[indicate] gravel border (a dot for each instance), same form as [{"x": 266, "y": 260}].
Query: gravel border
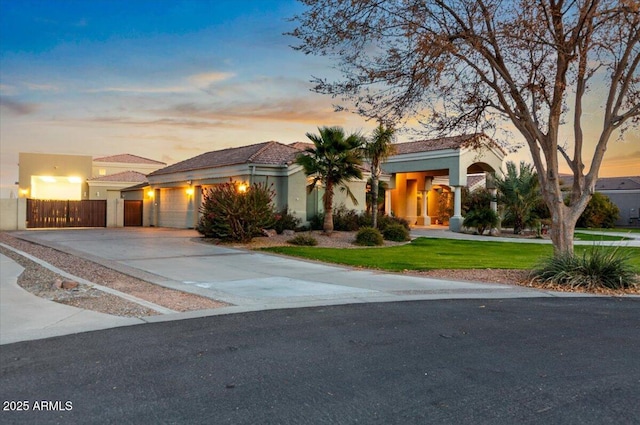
[{"x": 42, "y": 282}]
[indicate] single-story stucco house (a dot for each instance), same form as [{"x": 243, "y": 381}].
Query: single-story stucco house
[
  {"x": 416, "y": 175},
  {"x": 625, "y": 193}
]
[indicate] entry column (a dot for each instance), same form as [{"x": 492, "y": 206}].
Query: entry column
[{"x": 455, "y": 222}]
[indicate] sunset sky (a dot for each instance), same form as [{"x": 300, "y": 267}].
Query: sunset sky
[{"x": 167, "y": 80}]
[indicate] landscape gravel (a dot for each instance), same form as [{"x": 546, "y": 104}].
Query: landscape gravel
[{"x": 41, "y": 282}]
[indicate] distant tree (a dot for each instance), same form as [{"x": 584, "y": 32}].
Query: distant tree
[
  {"x": 519, "y": 194},
  {"x": 600, "y": 213},
  {"x": 334, "y": 160},
  {"x": 377, "y": 149},
  {"x": 482, "y": 65}
]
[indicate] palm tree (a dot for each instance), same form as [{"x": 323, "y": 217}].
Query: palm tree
[
  {"x": 520, "y": 194},
  {"x": 333, "y": 161},
  {"x": 377, "y": 150}
]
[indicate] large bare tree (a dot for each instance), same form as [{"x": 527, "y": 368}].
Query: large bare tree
[{"x": 486, "y": 65}]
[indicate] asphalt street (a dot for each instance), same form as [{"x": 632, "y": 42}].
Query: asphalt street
[{"x": 511, "y": 361}]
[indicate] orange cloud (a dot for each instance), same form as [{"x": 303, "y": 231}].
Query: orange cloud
[
  {"x": 296, "y": 110},
  {"x": 621, "y": 165}
]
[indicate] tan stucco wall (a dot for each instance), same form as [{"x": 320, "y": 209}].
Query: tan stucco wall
[
  {"x": 13, "y": 214},
  {"x": 37, "y": 164},
  {"x": 297, "y": 195}
]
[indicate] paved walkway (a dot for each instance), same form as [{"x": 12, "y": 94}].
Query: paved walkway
[
  {"x": 24, "y": 316},
  {"x": 249, "y": 280},
  {"x": 443, "y": 232}
]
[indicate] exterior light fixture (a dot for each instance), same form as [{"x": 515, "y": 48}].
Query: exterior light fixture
[
  {"x": 190, "y": 191},
  {"x": 242, "y": 188},
  {"x": 150, "y": 193}
]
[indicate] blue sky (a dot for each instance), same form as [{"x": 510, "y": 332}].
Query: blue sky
[{"x": 163, "y": 79}]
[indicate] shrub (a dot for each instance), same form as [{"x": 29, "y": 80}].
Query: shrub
[
  {"x": 599, "y": 213},
  {"x": 385, "y": 221},
  {"x": 599, "y": 268},
  {"x": 345, "y": 220},
  {"x": 303, "y": 240},
  {"x": 316, "y": 222},
  {"x": 476, "y": 200},
  {"x": 396, "y": 233},
  {"x": 286, "y": 221},
  {"x": 482, "y": 219},
  {"x": 368, "y": 236},
  {"x": 231, "y": 215}
]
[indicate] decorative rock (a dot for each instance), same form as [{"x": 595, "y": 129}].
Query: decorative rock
[
  {"x": 69, "y": 284},
  {"x": 288, "y": 232},
  {"x": 269, "y": 232},
  {"x": 65, "y": 284}
]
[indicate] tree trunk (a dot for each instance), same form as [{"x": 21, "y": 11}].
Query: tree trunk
[
  {"x": 374, "y": 202},
  {"x": 327, "y": 225},
  {"x": 563, "y": 222}
]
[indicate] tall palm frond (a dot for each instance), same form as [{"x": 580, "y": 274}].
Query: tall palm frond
[
  {"x": 334, "y": 160},
  {"x": 377, "y": 150}
]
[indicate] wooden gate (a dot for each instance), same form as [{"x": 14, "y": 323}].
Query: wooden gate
[
  {"x": 133, "y": 213},
  {"x": 43, "y": 213}
]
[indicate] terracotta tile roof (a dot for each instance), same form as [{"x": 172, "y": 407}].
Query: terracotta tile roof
[
  {"x": 267, "y": 153},
  {"x": 125, "y": 176},
  {"x": 475, "y": 179},
  {"x": 136, "y": 187},
  {"x": 128, "y": 159},
  {"x": 454, "y": 142},
  {"x": 301, "y": 145}
]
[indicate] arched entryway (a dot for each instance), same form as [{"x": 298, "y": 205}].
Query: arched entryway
[{"x": 428, "y": 176}]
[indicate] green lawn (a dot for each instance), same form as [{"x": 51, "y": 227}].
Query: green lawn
[
  {"x": 431, "y": 253},
  {"x": 616, "y": 230},
  {"x": 589, "y": 237}
]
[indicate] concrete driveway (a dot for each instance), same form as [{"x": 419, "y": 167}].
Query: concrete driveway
[{"x": 251, "y": 280}]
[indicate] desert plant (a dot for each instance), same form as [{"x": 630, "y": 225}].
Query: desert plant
[
  {"x": 284, "y": 220},
  {"x": 519, "y": 194},
  {"x": 396, "y": 233},
  {"x": 303, "y": 240},
  {"x": 595, "y": 268},
  {"x": 345, "y": 220},
  {"x": 232, "y": 215},
  {"x": 475, "y": 200},
  {"x": 316, "y": 222},
  {"x": 368, "y": 236},
  {"x": 482, "y": 219}
]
